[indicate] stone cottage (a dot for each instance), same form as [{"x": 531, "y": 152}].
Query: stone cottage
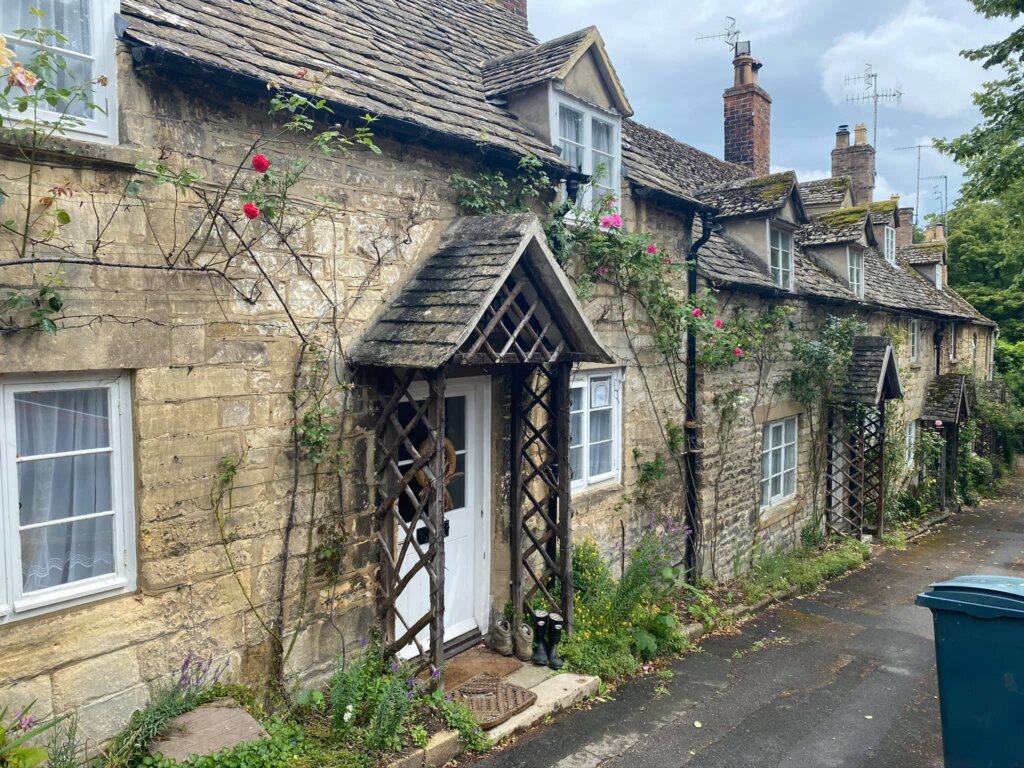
[{"x": 258, "y": 437}]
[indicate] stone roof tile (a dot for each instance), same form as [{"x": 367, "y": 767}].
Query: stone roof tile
[
  {"x": 845, "y": 225},
  {"x": 532, "y": 66},
  {"x": 750, "y": 196},
  {"x": 831, "y": 191}
]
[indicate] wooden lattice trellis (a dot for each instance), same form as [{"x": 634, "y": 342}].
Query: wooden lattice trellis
[
  {"x": 855, "y": 484},
  {"x": 405, "y": 502},
  {"x": 541, "y": 477}
]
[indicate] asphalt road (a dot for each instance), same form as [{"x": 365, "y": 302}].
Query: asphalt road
[{"x": 843, "y": 678}]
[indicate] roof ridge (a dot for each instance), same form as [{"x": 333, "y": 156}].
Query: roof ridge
[{"x": 582, "y": 34}]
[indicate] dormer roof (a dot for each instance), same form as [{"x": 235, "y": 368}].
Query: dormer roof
[
  {"x": 884, "y": 212},
  {"x": 552, "y": 62},
  {"x": 923, "y": 254},
  {"x": 755, "y": 196},
  {"x": 832, "y": 191},
  {"x": 841, "y": 227}
]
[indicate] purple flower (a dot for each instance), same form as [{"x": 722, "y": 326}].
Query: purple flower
[
  {"x": 395, "y": 667},
  {"x": 26, "y": 723},
  {"x": 435, "y": 673},
  {"x": 411, "y": 682},
  {"x": 363, "y": 642}
]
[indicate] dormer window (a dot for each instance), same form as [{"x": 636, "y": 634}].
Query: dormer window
[
  {"x": 591, "y": 144},
  {"x": 84, "y": 50},
  {"x": 890, "y": 245},
  {"x": 855, "y": 270},
  {"x": 780, "y": 247}
]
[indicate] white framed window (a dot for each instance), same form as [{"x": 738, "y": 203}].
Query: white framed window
[
  {"x": 778, "y": 461},
  {"x": 780, "y": 249},
  {"x": 890, "y": 245},
  {"x": 954, "y": 342},
  {"x": 595, "y": 429},
  {"x": 591, "y": 142},
  {"x": 938, "y": 277},
  {"x": 67, "y": 528},
  {"x": 855, "y": 270},
  {"x": 910, "y": 446},
  {"x": 915, "y": 340},
  {"x": 87, "y": 47}
]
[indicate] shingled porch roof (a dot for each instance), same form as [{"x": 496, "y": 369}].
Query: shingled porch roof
[
  {"x": 872, "y": 375},
  {"x": 434, "y": 315},
  {"x": 947, "y": 399}
]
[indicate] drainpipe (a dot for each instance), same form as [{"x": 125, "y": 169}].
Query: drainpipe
[{"x": 708, "y": 225}]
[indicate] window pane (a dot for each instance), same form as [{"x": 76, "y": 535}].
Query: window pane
[
  {"x": 69, "y": 17},
  {"x": 576, "y": 462},
  {"x": 790, "y": 430},
  {"x": 765, "y": 465},
  {"x": 601, "y": 425},
  {"x": 790, "y": 458},
  {"x": 576, "y": 429},
  {"x": 776, "y": 461},
  {"x": 603, "y": 135},
  {"x": 776, "y": 486},
  {"x": 776, "y": 435},
  {"x": 455, "y": 421},
  {"x": 54, "y": 489},
  {"x": 62, "y": 421},
  {"x": 600, "y": 459},
  {"x": 601, "y": 392},
  {"x": 571, "y": 123},
  {"x": 61, "y": 554},
  {"x": 766, "y": 493},
  {"x": 576, "y": 399},
  {"x": 457, "y": 484},
  {"x": 789, "y": 483},
  {"x": 75, "y": 72}
]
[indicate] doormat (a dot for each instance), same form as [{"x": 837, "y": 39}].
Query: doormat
[{"x": 491, "y": 700}]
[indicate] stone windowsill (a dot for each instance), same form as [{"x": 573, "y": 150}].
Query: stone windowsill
[
  {"x": 62, "y": 150},
  {"x": 598, "y": 493},
  {"x": 769, "y": 516}
]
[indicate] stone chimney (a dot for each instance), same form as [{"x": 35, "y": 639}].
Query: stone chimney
[
  {"x": 905, "y": 231},
  {"x": 748, "y": 115},
  {"x": 518, "y": 7},
  {"x": 857, "y": 162}
]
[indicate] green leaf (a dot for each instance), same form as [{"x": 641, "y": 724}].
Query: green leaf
[
  {"x": 133, "y": 188},
  {"x": 63, "y": 217},
  {"x": 47, "y": 325}
]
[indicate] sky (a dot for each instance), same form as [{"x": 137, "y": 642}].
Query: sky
[{"x": 809, "y": 49}]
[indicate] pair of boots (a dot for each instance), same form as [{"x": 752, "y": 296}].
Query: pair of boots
[{"x": 547, "y": 629}]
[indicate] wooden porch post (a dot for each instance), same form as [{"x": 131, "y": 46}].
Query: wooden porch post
[
  {"x": 518, "y": 380},
  {"x": 561, "y": 395},
  {"x": 437, "y": 385}
]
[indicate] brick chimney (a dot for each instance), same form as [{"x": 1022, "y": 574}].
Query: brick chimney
[
  {"x": 748, "y": 115},
  {"x": 857, "y": 162},
  {"x": 518, "y": 7},
  {"x": 905, "y": 231}
]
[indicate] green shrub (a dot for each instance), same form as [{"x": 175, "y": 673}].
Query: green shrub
[{"x": 805, "y": 569}]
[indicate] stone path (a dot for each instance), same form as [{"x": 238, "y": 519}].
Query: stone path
[
  {"x": 844, "y": 678},
  {"x": 206, "y": 730}
]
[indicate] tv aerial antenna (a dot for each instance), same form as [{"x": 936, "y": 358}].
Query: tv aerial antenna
[
  {"x": 730, "y": 36},
  {"x": 872, "y": 94},
  {"x": 942, "y": 195},
  {"x": 917, "y": 148}
]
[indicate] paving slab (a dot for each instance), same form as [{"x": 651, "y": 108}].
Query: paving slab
[{"x": 208, "y": 729}]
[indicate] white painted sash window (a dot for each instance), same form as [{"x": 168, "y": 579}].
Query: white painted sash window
[
  {"x": 86, "y": 45},
  {"x": 591, "y": 143},
  {"x": 890, "y": 245},
  {"x": 855, "y": 265},
  {"x": 778, "y": 461},
  {"x": 915, "y": 340},
  {"x": 780, "y": 246},
  {"x": 68, "y": 522},
  {"x": 595, "y": 428}
]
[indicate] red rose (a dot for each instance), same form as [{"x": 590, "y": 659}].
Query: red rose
[
  {"x": 260, "y": 164},
  {"x": 251, "y": 211}
]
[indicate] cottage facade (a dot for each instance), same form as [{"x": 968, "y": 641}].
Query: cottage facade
[{"x": 158, "y": 496}]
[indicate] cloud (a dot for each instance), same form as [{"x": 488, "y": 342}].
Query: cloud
[
  {"x": 805, "y": 175},
  {"x": 918, "y": 51}
]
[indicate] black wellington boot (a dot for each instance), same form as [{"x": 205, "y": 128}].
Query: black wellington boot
[
  {"x": 540, "y": 626},
  {"x": 554, "y": 637}
]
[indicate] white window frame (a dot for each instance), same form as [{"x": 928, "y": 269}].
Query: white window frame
[
  {"x": 915, "y": 340},
  {"x": 768, "y": 447},
  {"x": 890, "y": 244},
  {"x": 14, "y": 604},
  {"x": 103, "y": 128},
  {"x": 781, "y": 267},
  {"x": 938, "y": 277},
  {"x": 561, "y": 101},
  {"x": 910, "y": 443},
  {"x": 954, "y": 342},
  {"x": 582, "y": 380},
  {"x": 855, "y": 270}
]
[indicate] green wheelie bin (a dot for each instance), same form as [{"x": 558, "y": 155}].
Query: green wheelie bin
[{"x": 979, "y": 655}]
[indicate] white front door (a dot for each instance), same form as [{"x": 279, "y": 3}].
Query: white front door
[{"x": 467, "y": 522}]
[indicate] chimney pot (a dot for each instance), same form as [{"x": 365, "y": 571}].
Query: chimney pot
[
  {"x": 747, "y": 115},
  {"x": 860, "y": 134},
  {"x": 940, "y": 232},
  {"x": 857, "y": 162},
  {"x": 843, "y": 137},
  {"x": 929, "y": 234}
]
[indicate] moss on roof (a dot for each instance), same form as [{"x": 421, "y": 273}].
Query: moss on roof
[
  {"x": 843, "y": 217},
  {"x": 937, "y": 246},
  {"x": 773, "y": 186},
  {"x": 882, "y": 206}
]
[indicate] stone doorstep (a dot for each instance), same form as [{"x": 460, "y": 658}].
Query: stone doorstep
[
  {"x": 207, "y": 730},
  {"x": 556, "y": 693}
]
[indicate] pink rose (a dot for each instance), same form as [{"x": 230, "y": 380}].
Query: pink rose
[
  {"x": 22, "y": 78},
  {"x": 938, "y": 422},
  {"x": 251, "y": 211},
  {"x": 652, "y": 249},
  {"x": 611, "y": 222},
  {"x": 719, "y": 323},
  {"x": 602, "y": 270},
  {"x": 737, "y": 352},
  {"x": 697, "y": 312}
]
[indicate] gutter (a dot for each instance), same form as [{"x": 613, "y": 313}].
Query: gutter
[{"x": 690, "y": 426}]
